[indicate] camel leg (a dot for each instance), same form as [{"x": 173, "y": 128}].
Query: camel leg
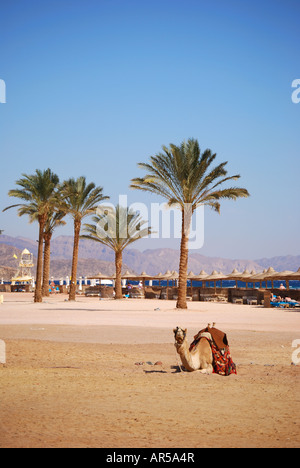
[{"x": 208, "y": 370}]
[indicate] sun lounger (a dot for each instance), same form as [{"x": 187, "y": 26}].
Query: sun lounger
[
  {"x": 238, "y": 300},
  {"x": 285, "y": 305}
]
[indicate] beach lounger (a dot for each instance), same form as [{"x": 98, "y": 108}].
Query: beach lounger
[{"x": 285, "y": 305}]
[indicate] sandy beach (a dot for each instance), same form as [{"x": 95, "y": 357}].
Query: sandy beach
[{"x": 71, "y": 379}]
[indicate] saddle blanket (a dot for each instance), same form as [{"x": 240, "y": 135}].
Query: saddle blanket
[{"x": 223, "y": 363}]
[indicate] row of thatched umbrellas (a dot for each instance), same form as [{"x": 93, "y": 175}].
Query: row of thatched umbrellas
[{"x": 267, "y": 275}]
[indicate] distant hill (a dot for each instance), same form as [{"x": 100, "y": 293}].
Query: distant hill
[
  {"x": 95, "y": 257},
  {"x": 289, "y": 262},
  {"x": 60, "y": 267}
]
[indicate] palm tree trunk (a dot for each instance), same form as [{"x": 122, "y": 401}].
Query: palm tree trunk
[
  {"x": 73, "y": 285},
  {"x": 46, "y": 270},
  {"x": 119, "y": 262},
  {"x": 184, "y": 255},
  {"x": 39, "y": 269}
]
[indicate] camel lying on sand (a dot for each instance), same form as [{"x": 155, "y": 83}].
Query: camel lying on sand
[{"x": 200, "y": 358}]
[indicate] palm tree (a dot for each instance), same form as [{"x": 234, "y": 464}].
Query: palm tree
[
  {"x": 82, "y": 200},
  {"x": 38, "y": 192},
  {"x": 117, "y": 228},
  {"x": 186, "y": 179},
  {"x": 54, "y": 220}
]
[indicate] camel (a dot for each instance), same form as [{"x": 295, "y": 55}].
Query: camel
[{"x": 200, "y": 358}]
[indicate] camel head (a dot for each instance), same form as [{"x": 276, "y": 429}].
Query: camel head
[{"x": 180, "y": 335}]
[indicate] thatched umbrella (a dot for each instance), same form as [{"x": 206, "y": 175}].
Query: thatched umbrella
[
  {"x": 174, "y": 275},
  {"x": 270, "y": 275},
  {"x": 99, "y": 276},
  {"x": 171, "y": 276},
  {"x": 216, "y": 276},
  {"x": 191, "y": 275},
  {"x": 234, "y": 275},
  {"x": 160, "y": 277},
  {"x": 284, "y": 276},
  {"x": 296, "y": 275},
  {"x": 245, "y": 277},
  {"x": 167, "y": 274},
  {"x": 201, "y": 276},
  {"x": 258, "y": 277},
  {"x": 127, "y": 275},
  {"x": 143, "y": 276}
]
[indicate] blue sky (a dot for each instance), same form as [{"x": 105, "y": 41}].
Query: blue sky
[{"x": 94, "y": 87}]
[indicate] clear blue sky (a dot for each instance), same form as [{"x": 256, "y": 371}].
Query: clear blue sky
[{"x": 96, "y": 86}]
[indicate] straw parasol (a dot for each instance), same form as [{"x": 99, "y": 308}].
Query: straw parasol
[
  {"x": 270, "y": 273},
  {"x": 259, "y": 276},
  {"x": 99, "y": 276},
  {"x": 171, "y": 276},
  {"x": 234, "y": 274},
  {"x": 128, "y": 275},
  {"x": 216, "y": 276},
  {"x": 160, "y": 276},
  {"x": 265, "y": 276},
  {"x": 191, "y": 275},
  {"x": 270, "y": 276},
  {"x": 144, "y": 276},
  {"x": 167, "y": 274},
  {"x": 201, "y": 276},
  {"x": 285, "y": 275},
  {"x": 174, "y": 275},
  {"x": 296, "y": 275},
  {"x": 245, "y": 276}
]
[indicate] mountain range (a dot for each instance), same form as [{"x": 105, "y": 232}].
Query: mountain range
[{"x": 95, "y": 257}]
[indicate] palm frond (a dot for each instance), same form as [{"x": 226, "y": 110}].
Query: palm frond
[
  {"x": 182, "y": 175},
  {"x": 116, "y": 227}
]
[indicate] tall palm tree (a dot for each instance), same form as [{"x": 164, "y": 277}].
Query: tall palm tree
[
  {"x": 186, "y": 179},
  {"x": 55, "y": 219},
  {"x": 82, "y": 200},
  {"x": 117, "y": 228},
  {"x": 38, "y": 192}
]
